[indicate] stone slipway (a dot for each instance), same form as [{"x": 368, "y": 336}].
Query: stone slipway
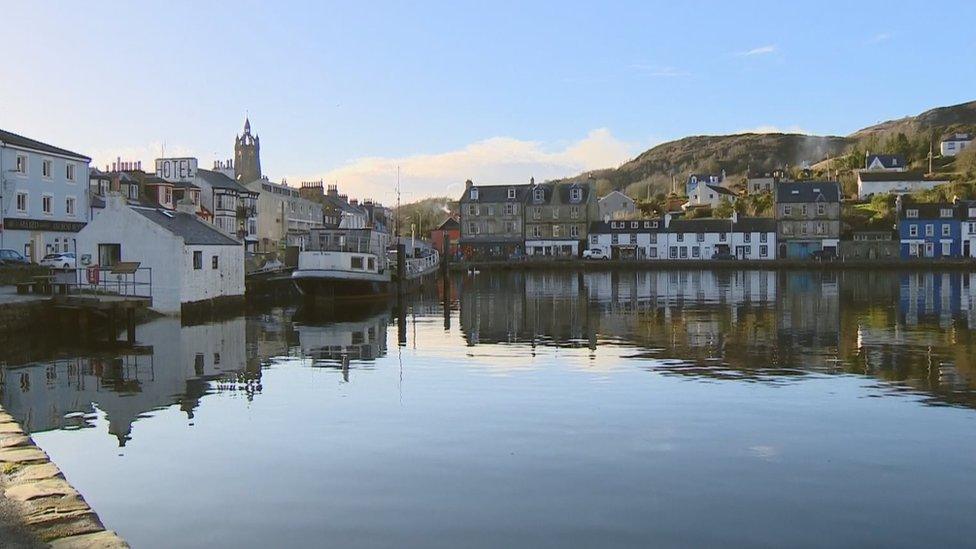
[{"x": 37, "y": 496}]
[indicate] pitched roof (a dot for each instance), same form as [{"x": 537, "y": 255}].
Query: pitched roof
[
  {"x": 958, "y": 137},
  {"x": 756, "y": 225},
  {"x": 193, "y": 230},
  {"x": 889, "y": 161},
  {"x": 449, "y": 224},
  {"x": 611, "y": 193},
  {"x": 496, "y": 193},
  {"x": 700, "y": 225},
  {"x": 807, "y": 191},
  {"x": 930, "y": 210},
  {"x": 627, "y": 226},
  {"x": 721, "y": 190},
  {"x": 895, "y": 176},
  {"x": 218, "y": 180},
  {"x": 10, "y": 138}
]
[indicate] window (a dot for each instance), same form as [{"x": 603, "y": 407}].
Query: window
[
  {"x": 946, "y": 230},
  {"x": 22, "y": 202},
  {"x": 555, "y": 213},
  {"x": 47, "y": 204},
  {"x": 574, "y": 231},
  {"x": 491, "y": 211},
  {"x": 537, "y": 213},
  {"x": 652, "y": 253},
  {"x": 47, "y": 166},
  {"x": 538, "y": 195},
  {"x": 803, "y": 229},
  {"x": 594, "y": 239},
  {"x": 747, "y": 237},
  {"x": 929, "y": 230},
  {"x": 653, "y": 237},
  {"x": 787, "y": 210},
  {"x": 701, "y": 237},
  {"x": 574, "y": 212},
  {"x": 681, "y": 237},
  {"x": 913, "y": 230},
  {"x": 555, "y": 231},
  {"x": 511, "y": 192},
  {"x": 21, "y": 166},
  {"x": 472, "y": 228},
  {"x": 109, "y": 254},
  {"x": 537, "y": 231},
  {"x": 946, "y": 249},
  {"x": 69, "y": 172},
  {"x": 356, "y": 262},
  {"x": 763, "y": 251},
  {"x": 945, "y": 212},
  {"x": 633, "y": 238},
  {"x": 803, "y": 210},
  {"x": 696, "y": 252},
  {"x": 614, "y": 238},
  {"x": 69, "y": 205},
  {"x": 911, "y": 213},
  {"x": 576, "y": 194},
  {"x": 763, "y": 237},
  {"x": 214, "y": 262},
  {"x": 371, "y": 264},
  {"x": 197, "y": 261},
  {"x": 509, "y": 210},
  {"x": 473, "y": 194},
  {"x": 134, "y": 192},
  {"x": 673, "y": 252},
  {"x": 683, "y": 252},
  {"x": 821, "y": 209},
  {"x": 722, "y": 237}
]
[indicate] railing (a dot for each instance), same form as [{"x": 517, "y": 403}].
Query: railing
[{"x": 96, "y": 279}]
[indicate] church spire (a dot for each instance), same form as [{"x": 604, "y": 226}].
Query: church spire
[{"x": 247, "y": 125}]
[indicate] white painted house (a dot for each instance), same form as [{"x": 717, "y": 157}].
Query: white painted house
[
  {"x": 955, "y": 143},
  {"x": 686, "y": 239},
  {"x": 884, "y": 163},
  {"x": 191, "y": 260},
  {"x": 616, "y": 205},
  {"x": 708, "y": 194},
  {"x": 870, "y": 183}
]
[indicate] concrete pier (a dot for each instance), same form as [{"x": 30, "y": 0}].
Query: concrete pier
[{"x": 44, "y": 503}]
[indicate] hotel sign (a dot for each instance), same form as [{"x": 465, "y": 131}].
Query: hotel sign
[
  {"x": 176, "y": 170},
  {"x": 21, "y": 224}
]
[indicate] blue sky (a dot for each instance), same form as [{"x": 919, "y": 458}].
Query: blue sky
[{"x": 496, "y": 91}]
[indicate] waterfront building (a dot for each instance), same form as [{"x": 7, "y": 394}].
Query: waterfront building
[
  {"x": 870, "y": 244},
  {"x": 492, "y": 220},
  {"x": 629, "y": 239},
  {"x": 43, "y": 196},
  {"x": 931, "y": 231},
  {"x": 870, "y": 183},
  {"x": 446, "y": 236},
  {"x": 709, "y": 179},
  {"x": 808, "y": 218},
  {"x": 967, "y": 227},
  {"x": 284, "y": 217},
  {"x": 556, "y": 218},
  {"x": 708, "y": 195},
  {"x": 742, "y": 237},
  {"x": 884, "y": 163},
  {"x": 191, "y": 260},
  {"x": 616, "y": 205},
  {"x": 336, "y": 206},
  {"x": 951, "y": 145}
]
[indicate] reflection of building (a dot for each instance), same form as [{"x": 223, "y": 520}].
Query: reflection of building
[
  {"x": 173, "y": 371},
  {"x": 356, "y": 340}
]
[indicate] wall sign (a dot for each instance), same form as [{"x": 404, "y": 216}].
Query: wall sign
[{"x": 21, "y": 224}]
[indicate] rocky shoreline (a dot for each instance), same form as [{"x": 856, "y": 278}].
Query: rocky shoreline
[{"x": 40, "y": 507}]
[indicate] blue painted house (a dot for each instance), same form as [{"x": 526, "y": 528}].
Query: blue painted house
[{"x": 931, "y": 231}]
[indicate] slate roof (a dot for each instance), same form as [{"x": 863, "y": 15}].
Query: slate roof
[
  {"x": 193, "y": 230},
  {"x": 449, "y": 224},
  {"x": 807, "y": 191},
  {"x": 958, "y": 137},
  {"x": 218, "y": 180},
  {"x": 721, "y": 190},
  {"x": 612, "y": 193},
  {"x": 889, "y": 161},
  {"x": 626, "y": 226},
  {"x": 931, "y": 211},
  {"x": 895, "y": 176},
  {"x": 700, "y": 225},
  {"x": 10, "y": 138},
  {"x": 756, "y": 225},
  {"x": 565, "y": 189},
  {"x": 496, "y": 193}
]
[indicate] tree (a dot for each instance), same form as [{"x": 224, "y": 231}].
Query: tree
[
  {"x": 724, "y": 208},
  {"x": 966, "y": 161}
]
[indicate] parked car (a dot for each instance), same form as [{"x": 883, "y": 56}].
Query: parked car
[
  {"x": 723, "y": 256},
  {"x": 823, "y": 255},
  {"x": 64, "y": 260},
  {"x": 12, "y": 257},
  {"x": 595, "y": 253}
]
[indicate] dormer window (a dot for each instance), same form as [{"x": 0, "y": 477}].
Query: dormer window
[
  {"x": 912, "y": 213},
  {"x": 538, "y": 195},
  {"x": 945, "y": 212},
  {"x": 576, "y": 194},
  {"x": 511, "y": 192},
  {"x": 972, "y": 212},
  {"x": 474, "y": 194}
]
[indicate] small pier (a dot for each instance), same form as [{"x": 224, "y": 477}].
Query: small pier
[{"x": 112, "y": 311}]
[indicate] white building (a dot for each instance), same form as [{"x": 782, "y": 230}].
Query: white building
[
  {"x": 43, "y": 196},
  {"x": 191, "y": 260},
  {"x": 686, "y": 239},
  {"x": 955, "y": 143},
  {"x": 284, "y": 217},
  {"x": 616, "y": 205},
  {"x": 708, "y": 194},
  {"x": 870, "y": 183}
]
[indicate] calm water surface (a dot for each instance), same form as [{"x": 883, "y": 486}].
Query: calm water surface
[{"x": 535, "y": 410}]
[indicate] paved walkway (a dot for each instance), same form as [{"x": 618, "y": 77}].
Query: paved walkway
[{"x": 8, "y": 295}]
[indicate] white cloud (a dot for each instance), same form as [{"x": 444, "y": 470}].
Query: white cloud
[
  {"x": 496, "y": 160},
  {"x": 762, "y": 50},
  {"x": 769, "y": 128}
]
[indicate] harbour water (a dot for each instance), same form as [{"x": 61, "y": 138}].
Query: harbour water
[{"x": 599, "y": 409}]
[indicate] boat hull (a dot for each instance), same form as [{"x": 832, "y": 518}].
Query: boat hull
[{"x": 325, "y": 287}]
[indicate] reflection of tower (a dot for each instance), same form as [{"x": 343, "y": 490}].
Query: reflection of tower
[{"x": 247, "y": 155}]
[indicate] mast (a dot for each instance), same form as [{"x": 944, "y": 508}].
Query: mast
[{"x": 396, "y": 229}]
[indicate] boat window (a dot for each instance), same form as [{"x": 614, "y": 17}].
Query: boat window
[
  {"x": 356, "y": 262},
  {"x": 371, "y": 264}
]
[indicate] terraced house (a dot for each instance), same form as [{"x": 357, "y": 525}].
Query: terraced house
[
  {"x": 807, "y": 218},
  {"x": 492, "y": 220},
  {"x": 556, "y": 218}
]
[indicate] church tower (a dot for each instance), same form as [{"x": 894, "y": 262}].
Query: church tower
[{"x": 247, "y": 155}]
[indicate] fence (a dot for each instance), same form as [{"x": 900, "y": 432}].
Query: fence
[{"x": 123, "y": 279}]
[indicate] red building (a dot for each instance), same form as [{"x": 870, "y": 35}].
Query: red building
[{"x": 450, "y": 231}]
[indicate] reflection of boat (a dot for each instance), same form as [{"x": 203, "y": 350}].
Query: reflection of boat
[{"x": 357, "y": 336}]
